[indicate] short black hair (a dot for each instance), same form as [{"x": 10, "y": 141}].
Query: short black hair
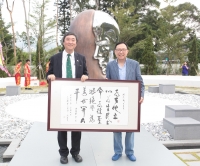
[
  {"x": 121, "y": 43},
  {"x": 28, "y": 60},
  {"x": 69, "y": 33},
  {"x": 19, "y": 61}
]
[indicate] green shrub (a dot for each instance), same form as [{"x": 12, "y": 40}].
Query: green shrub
[{"x": 3, "y": 74}]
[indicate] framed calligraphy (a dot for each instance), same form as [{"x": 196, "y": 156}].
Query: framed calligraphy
[{"x": 93, "y": 105}]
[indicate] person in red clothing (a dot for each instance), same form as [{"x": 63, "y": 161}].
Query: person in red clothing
[
  {"x": 27, "y": 75},
  {"x": 17, "y": 73},
  {"x": 47, "y": 66}
]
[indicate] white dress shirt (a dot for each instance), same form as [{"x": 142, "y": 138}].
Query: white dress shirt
[{"x": 64, "y": 61}]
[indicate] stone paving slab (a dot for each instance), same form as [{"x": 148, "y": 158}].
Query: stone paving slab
[
  {"x": 193, "y": 163},
  {"x": 187, "y": 156},
  {"x": 40, "y": 148},
  {"x": 10, "y": 151},
  {"x": 185, "y": 151},
  {"x": 4, "y": 164}
]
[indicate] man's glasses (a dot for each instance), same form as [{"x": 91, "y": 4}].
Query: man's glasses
[{"x": 119, "y": 50}]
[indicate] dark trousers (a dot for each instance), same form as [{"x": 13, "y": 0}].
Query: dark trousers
[{"x": 75, "y": 143}]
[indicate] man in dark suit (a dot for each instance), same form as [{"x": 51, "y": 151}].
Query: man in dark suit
[
  {"x": 124, "y": 68},
  {"x": 58, "y": 69}
]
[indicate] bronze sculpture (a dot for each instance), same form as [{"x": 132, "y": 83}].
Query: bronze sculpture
[{"x": 97, "y": 34}]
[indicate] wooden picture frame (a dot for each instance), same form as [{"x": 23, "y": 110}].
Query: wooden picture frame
[{"x": 93, "y": 105}]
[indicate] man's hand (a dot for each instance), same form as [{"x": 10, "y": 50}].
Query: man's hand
[
  {"x": 51, "y": 77},
  {"x": 84, "y": 77},
  {"x": 141, "y": 100}
]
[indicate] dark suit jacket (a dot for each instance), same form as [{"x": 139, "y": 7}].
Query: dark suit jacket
[
  {"x": 55, "y": 66},
  {"x": 132, "y": 72}
]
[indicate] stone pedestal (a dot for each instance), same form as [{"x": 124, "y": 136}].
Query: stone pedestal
[
  {"x": 13, "y": 90},
  {"x": 183, "y": 128},
  {"x": 172, "y": 111},
  {"x": 153, "y": 89},
  {"x": 167, "y": 88}
]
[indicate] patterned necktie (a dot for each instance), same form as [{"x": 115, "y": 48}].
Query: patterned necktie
[{"x": 68, "y": 67}]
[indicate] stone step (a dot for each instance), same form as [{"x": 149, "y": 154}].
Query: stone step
[
  {"x": 172, "y": 111},
  {"x": 153, "y": 89},
  {"x": 13, "y": 145},
  {"x": 167, "y": 88},
  {"x": 182, "y": 128},
  {"x": 13, "y": 90}
]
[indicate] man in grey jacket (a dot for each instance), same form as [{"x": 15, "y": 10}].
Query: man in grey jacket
[{"x": 124, "y": 68}]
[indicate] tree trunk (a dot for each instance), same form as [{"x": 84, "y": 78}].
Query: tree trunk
[
  {"x": 27, "y": 31},
  {"x": 13, "y": 31},
  {"x": 70, "y": 12},
  {"x": 97, "y": 4},
  {"x": 57, "y": 24}
]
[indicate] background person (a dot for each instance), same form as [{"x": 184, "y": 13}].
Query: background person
[
  {"x": 124, "y": 68},
  {"x": 17, "y": 73},
  {"x": 47, "y": 66},
  {"x": 58, "y": 69},
  {"x": 185, "y": 69},
  {"x": 27, "y": 75}
]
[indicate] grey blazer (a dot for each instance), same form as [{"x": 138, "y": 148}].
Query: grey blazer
[{"x": 132, "y": 72}]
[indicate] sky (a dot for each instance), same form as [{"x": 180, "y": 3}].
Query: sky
[
  {"x": 195, "y": 2},
  {"x": 18, "y": 11},
  {"x": 19, "y": 17}
]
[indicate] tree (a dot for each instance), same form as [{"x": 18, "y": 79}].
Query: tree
[
  {"x": 68, "y": 10},
  {"x": 142, "y": 23},
  {"x": 173, "y": 34},
  {"x": 6, "y": 41},
  {"x": 149, "y": 58},
  {"x": 42, "y": 28},
  {"x": 22, "y": 38},
  {"x": 13, "y": 30},
  {"x": 107, "y": 5},
  {"x": 27, "y": 29},
  {"x": 126, "y": 22},
  {"x": 64, "y": 16},
  {"x": 193, "y": 57},
  {"x": 132, "y": 18},
  {"x": 198, "y": 46},
  {"x": 189, "y": 15},
  {"x": 57, "y": 24}
]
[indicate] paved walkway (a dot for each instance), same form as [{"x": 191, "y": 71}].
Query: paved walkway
[
  {"x": 190, "y": 157},
  {"x": 96, "y": 150}
]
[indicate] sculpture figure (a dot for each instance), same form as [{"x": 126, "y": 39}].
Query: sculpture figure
[{"x": 97, "y": 32}]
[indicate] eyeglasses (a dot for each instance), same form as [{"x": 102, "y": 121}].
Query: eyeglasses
[{"x": 119, "y": 50}]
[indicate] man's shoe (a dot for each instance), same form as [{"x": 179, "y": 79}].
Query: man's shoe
[
  {"x": 131, "y": 157},
  {"x": 63, "y": 160},
  {"x": 77, "y": 158},
  {"x": 25, "y": 88},
  {"x": 116, "y": 157},
  {"x": 30, "y": 89}
]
